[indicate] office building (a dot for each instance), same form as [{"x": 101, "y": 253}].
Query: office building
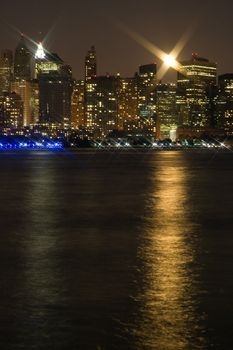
[
  {"x": 6, "y": 70},
  {"x": 90, "y": 73},
  {"x": 22, "y": 61},
  {"x": 77, "y": 105},
  {"x": 224, "y": 103},
  {"x": 11, "y": 111},
  {"x": 146, "y": 120},
  {"x": 55, "y": 88},
  {"x": 127, "y": 102},
  {"x": 102, "y": 105},
  {"x": 90, "y": 64},
  {"x": 166, "y": 109},
  {"x": 195, "y": 80}
]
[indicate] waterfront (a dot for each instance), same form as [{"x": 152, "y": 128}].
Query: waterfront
[{"x": 116, "y": 250}]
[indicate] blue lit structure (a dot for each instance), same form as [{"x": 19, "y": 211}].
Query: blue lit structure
[{"x": 23, "y": 142}]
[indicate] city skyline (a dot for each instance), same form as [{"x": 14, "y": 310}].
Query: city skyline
[
  {"x": 72, "y": 33},
  {"x": 37, "y": 87}
]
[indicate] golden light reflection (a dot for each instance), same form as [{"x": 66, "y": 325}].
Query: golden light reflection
[{"x": 168, "y": 304}]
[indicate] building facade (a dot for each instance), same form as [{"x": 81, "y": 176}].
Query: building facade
[
  {"x": 127, "y": 103},
  {"x": 224, "y": 103},
  {"x": 166, "y": 109},
  {"x": 77, "y": 105},
  {"x": 196, "y": 78},
  {"x": 55, "y": 88},
  {"x": 22, "y": 61},
  {"x": 11, "y": 111},
  {"x": 6, "y": 70}
]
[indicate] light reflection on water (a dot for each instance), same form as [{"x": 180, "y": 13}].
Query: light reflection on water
[
  {"x": 125, "y": 251},
  {"x": 43, "y": 282},
  {"x": 168, "y": 306}
]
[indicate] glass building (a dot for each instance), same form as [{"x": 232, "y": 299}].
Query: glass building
[
  {"x": 224, "y": 102},
  {"x": 6, "y": 70},
  {"x": 55, "y": 88},
  {"x": 166, "y": 109},
  {"x": 22, "y": 61},
  {"x": 195, "y": 81}
]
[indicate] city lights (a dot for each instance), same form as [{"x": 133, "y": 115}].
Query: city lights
[
  {"x": 39, "y": 95},
  {"x": 40, "y": 54}
]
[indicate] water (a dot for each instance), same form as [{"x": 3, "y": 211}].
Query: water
[{"x": 116, "y": 250}]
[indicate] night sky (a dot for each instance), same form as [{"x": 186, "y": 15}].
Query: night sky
[{"x": 74, "y": 26}]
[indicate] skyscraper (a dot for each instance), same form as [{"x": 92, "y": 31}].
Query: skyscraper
[
  {"x": 55, "y": 88},
  {"x": 6, "y": 70},
  {"x": 146, "y": 81},
  {"x": 224, "y": 103},
  {"x": 102, "y": 105},
  {"x": 127, "y": 103},
  {"x": 11, "y": 111},
  {"x": 22, "y": 61},
  {"x": 90, "y": 64},
  {"x": 46, "y": 62},
  {"x": 146, "y": 86},
  {"x": 90, "y": 72},
  {"x": 195, "y": 80},
  {"x": 22, "y": 89},
  {"x": 34, "y": 101},
  {"x": 77, "y": 105},
  {"x": 166, "y": 108},
  {"x": 22, "y": 76}
]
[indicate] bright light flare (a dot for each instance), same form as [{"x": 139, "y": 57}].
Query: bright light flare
[
  {"x": 40, "y": 54},
  {"x": 170, "y": 61},
  {"x": 34, "y": 43}
]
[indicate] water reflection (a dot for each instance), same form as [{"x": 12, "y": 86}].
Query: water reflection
[
  {"x": 168, "y": 312},
  {"x": 42, "y": 285}
]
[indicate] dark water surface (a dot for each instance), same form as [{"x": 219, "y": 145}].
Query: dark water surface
[{"x": 116, "y": 250}]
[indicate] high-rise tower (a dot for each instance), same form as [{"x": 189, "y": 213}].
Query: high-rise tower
[
  {"x": 224, "y": 103},
  {"x": 166, "y": 108},
  {"x": 6, "y": 65},
  {"x": 90, "y": 89},
  {"x": 11, "y": 111},
  {"x": 90, "y": 64},
  {"x": 22, "y": 62},
  {"x": 196, "y": 78},
  {"x": 55, "y": 88},
  {"x": 146, "y": 89}
]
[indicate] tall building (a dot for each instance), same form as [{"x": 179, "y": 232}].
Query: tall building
[
  {"x": 46, "y": 62},
  {"x": 146, "y": 80},
  {"x": 77, "y": 105},
  {"x": 22, "y": 61},
  {"x": 6, "y": 70},
  {"x": 90, "y": 73},
  {"x": 21, "y": 82},
  {"x": 195, "y": 80},
  {"x": 11, "y": 111},
  {"x": 23, "y": 89},
  {"x": 90, "y": 64},
  {"x": 34, "y": 101},
  {"x": 102, "y": 105},
  {"x": 224, "y": 103},
  {"x": 55, "y": 88},
  {"x": 166, "y": 109},
  {"x": 146, "y": 86},
  {"x": 127, "y": 103}
]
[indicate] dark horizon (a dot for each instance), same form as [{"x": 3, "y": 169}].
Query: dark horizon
[{"x": 74, "y": 27}]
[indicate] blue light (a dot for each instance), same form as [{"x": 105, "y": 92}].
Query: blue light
[{"x": 14, "y": 142}]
